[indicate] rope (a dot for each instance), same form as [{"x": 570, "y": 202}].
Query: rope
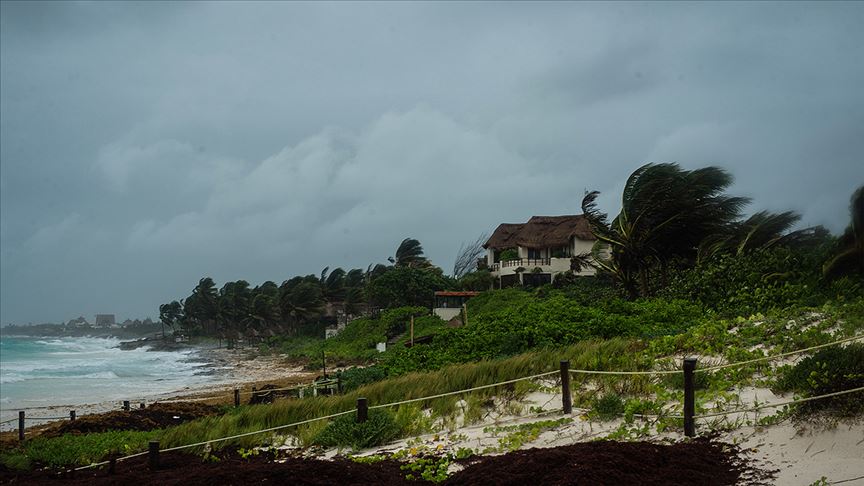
[
  {"x": 271, "y": 429},
  {"x": 119, "y": 459},
  {"x": 188, "y": 446},
  {"x": 847, "y": 480},
  {"x": 459, "y": 392},
  {"x": 46, "y": 418},
  {"x": 773, "y": 405},
  {"x": 598, "y": 372},
  {"x": 781, "y": 355}
]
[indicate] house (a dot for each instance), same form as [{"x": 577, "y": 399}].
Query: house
[
  {"x": 105, "y": 320},
  {"x": 533, "y": 253},
  {"x": 448, "y": 304}
]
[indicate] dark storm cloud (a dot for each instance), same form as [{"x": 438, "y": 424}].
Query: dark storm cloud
[{"x": 147, "y": 145}]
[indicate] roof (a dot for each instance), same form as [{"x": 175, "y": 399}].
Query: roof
[
  {"x": 541, "y": 232},
  {"x": 451, "y": 293}
]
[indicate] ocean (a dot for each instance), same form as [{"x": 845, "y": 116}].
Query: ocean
[{"x": 36, "y": 373}]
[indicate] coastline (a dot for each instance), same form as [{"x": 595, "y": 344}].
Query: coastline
[{"x": 229, "y": 369}]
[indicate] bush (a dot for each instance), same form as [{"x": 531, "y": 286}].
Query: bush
[
  {"x": 356, "y": 377},
  {"x": 760, "y": 281},
  {"x": 607, "y": 407},
  {"x": 830, "y": 370},
  {"x": 380, "y": 428}
]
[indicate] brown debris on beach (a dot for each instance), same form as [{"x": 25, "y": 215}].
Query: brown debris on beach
[{"x": 701, "y": 462}]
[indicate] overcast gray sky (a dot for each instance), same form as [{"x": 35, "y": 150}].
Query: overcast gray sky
[{"x": 145, "y": 146}]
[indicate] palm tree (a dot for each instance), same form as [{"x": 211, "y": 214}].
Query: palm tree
[
  {"x": 850, "y": 256},
  {"x": 666, "y": 212},
  {"x": 202, "y": 307},
  {"x": 302, "y": 302},
  {"x": 333, "y": 285},
  {"x": 760, "y": 231},
  {"x": 409, "y": 254}
]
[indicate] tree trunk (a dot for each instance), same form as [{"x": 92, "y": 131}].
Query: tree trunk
[{"x": 643, "y": 281}]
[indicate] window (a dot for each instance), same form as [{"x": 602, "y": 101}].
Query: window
[{"x": 534, "y": 254}]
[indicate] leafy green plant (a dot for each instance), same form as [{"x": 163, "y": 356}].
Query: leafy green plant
[
  {"x": 79, "y": 450},
  {"x": 830, "y": 370}
]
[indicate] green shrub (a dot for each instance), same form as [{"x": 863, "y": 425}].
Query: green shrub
[
  {"x": 354, "y": 378},
  {"x": 380, "y": 428},
  {"x": 830, "y": 370},
  {"x": 607, "y": 407},
  {"x": 72, "y": 449},
  {"x": 760, "y": 281}
]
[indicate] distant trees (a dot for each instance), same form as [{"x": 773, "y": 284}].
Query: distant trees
[
  {"x": 170, "y": 314},
  {"x": 301, "y": 301}
]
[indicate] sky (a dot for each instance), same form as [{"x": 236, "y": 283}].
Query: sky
[{"x": 144, "y": 146}]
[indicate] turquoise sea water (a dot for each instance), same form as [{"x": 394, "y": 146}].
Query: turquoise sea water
[{"x": 40, "y": 372}]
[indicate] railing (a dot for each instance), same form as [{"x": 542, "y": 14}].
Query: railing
[{"x": 523, "y": 262}]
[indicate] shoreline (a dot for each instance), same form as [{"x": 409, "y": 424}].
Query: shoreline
[{"x": 228, "y": 368}]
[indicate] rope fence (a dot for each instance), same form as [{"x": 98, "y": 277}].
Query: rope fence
[
  {"x": 781, "y": 355},
  {"x": 362, "y": 408},
  {"x": 775, "y": 405}
]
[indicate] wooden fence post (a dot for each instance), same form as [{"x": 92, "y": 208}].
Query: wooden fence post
[
  {"x": 21, "y": 425},
  {"x": 72, "y": 415},
  {"x": 126, "y": 405},
  {"x": 236, "y": 397},
  {"x": 362, "y": 410},
  {"x": 689, "y": 397},
  {"x": 566, "y": 398},
  {"x": 153, "y": 454}
]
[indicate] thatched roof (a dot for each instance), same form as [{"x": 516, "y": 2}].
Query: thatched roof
[{"x": 541, "y": 232}]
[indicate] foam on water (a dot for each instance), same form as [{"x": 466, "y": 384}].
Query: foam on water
[{"x": 38, "y": 372}]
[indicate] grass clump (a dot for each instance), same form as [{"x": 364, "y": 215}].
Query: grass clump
[
  {"x": 380, "y": 428},
  {"x": 607, "y": 407}
]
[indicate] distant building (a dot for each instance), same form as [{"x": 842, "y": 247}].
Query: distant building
[
  {"x": 105, "y": 320},
  {"x": 448, "y": 304}
]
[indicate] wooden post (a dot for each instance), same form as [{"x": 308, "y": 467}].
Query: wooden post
[
  {"x": 236, "y": 397},
  {"x": 112, "y": 465},
  {"x": 126, "y": 405},
  {"x": 21, "y": 425},
  {"x": 324, "y": 364},
  {"x": 689, "y": 397},
  {"x": 464, "y": 314},
  {"x": 412, "y": 331},
  {"x": 72, "y": 415},
  {"x": 153, "y": 454},
  {"x": 362, "y": 410},
  {"x": 566, "y": 398}
]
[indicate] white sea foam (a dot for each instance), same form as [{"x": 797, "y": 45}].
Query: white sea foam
[{"x": 87, "y": 370}]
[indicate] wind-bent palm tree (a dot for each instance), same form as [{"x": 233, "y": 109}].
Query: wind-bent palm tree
[
  {"x": 666, "y": 212},
  {"x": 302, "y": 302},
  {"x": 409, "y": 254},
  {"x": 850, "y": 257},
  {"x": 760, "y": 231}
]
